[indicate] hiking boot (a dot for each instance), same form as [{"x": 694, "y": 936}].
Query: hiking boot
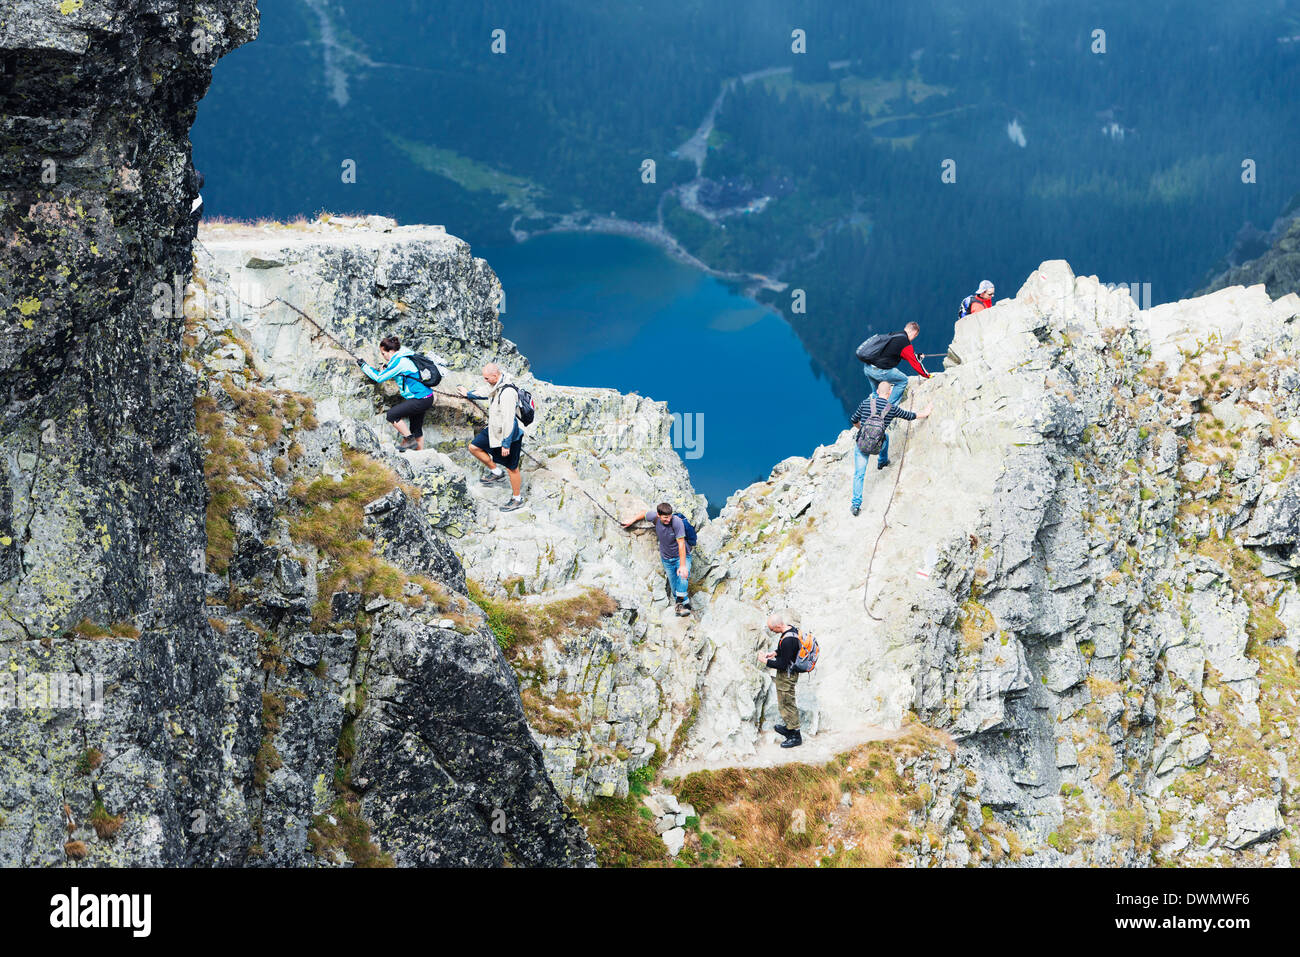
[
  {"x": 782, "y": 730},
  {"x": 793, "y": 739},
  {"x": 407, "y": 443},
  {"x": 491, "y": 478},
  {"x": 855, "y": 509},
  {"x": 683, "y": 610},
  {"x": 882, "y": 465},
  {"x": 512, "y": 504}
]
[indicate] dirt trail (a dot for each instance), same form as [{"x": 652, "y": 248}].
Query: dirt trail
[{"x": 816, "y": 749}]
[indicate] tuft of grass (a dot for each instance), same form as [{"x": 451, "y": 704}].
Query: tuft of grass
[
  {"x": 621, "y": 836},
  {"x": 228, "y": 467},
  {"x": 345, "y": 829},
  {"x": 549, "y": 717},
  {"x": 684, "y": 729},
  {"x": 255, "y": 423},
  {"x": 89, "y": 760},
  {"x": 519, "y": 625},
  {"x": 1263, "y": 625},
  {"x": 1128, "y": 822},
  {"x": 781, "y": 816},
  {"x": 106, "y": 825},
  {"x": 639, "y": 780},
  {"x": 976, "y": 624},
  {"x": 332, "y": 517},
  {"x": 89, "y": 631},
  {"x": 266, "y": 763}
]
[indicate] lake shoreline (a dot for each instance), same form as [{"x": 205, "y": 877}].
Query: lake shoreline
[{"x": 606, "y": 309}]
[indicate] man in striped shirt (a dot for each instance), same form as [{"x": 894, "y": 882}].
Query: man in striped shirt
[{"x": 877, "y": 404}]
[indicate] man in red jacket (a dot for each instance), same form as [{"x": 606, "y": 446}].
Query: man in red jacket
[
  {"x": 884, "y": 368},
  {"x": 983, "y": 299}
]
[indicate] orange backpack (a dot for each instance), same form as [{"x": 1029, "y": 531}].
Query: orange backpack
[{"x": 806, "y": 660}]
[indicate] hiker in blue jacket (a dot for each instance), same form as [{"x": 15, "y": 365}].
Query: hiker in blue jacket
[
  {"x": 674, "y": 533},
  {"x": 417, "y": 397},
  {"x": 877, "y": 404}
]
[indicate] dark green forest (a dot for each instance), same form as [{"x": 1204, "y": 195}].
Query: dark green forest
[{"x": 1130, "y": 168}]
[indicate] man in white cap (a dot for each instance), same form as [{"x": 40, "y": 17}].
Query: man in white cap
[{"x": 983, "y": 299}]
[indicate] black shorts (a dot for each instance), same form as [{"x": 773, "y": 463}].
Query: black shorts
[
  {"x": 510, "y": 461},
  {"x": 412, "y": 409}
]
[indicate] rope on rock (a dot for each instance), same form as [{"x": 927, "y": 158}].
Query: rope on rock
[
  {"x": 320, "y": 330},
  {"x": 884, "y": 523},
  {"x": 540, "y": 464}
]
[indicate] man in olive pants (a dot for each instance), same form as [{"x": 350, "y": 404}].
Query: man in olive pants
[{"x": 786, "y": 679}]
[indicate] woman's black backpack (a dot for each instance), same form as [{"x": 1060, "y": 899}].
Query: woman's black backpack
[{"x": 430, "y": 374}]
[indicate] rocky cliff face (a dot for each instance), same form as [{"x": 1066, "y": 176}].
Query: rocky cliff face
[
  {"x": 213, "y": 652},
  {"x": 370, "y": 714},
  {"x": 605, "y": 697},
  {"x": 240, "y": 628},
  {"x": 1278, "y": 268},
  {"x": 101, "y": 492},
  {"x": 1087, "y": 579}
]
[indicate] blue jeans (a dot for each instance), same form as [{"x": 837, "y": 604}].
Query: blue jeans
[
  {"x": 679, "y": 583},
  {"x": 895, "y": 375},
  {"x": 860, "y": 462}
]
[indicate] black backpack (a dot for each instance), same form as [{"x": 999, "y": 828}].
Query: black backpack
[
  {"x": 870, "y": 350},
  {"x": 871, "y": 430},
  {"x": 964, "y": 311},
  {"x": 429, "y": 373},
  {"x": 525, "y": 407}
]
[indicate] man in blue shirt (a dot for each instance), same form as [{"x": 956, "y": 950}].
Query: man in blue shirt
[
  {"x": 674, "y": 552},
  {"x": 417, "y": 397}
]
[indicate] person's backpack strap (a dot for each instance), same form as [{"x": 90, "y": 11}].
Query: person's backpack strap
[
  {"x": 396, "y": 364},
  {"x": 514, "y": 406},
  {"x": 525, "y": 406},
  {"x": 688, "y": 530}
]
